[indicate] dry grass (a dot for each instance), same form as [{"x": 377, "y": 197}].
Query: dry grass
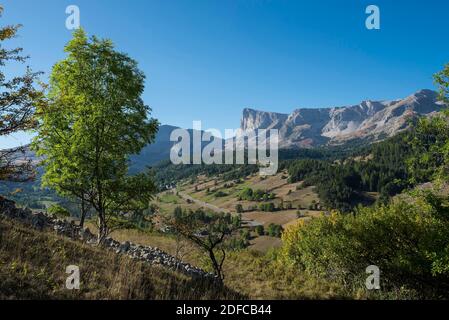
[
  {"x": 33, "y": 263},
  {"x": 252, "y": 272},
  {"x": 302, "y": 198},
  {"x": 265, "y": 243},
  {"x": 261, "y": 276},
  {"x": 269, "y": 183},
  {"x": 277, "y": 217},
  {"x": 283, "y": 218},
  {"x": 168, "y": 201}
]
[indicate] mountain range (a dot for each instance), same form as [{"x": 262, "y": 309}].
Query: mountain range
[
  {"x": 371, "y": 120},
  {"x": 312, "y": 127}
]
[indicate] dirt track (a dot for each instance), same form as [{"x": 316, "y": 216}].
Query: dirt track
[{"x": 249, "y": 223}]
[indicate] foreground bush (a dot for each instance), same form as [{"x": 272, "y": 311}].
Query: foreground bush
[{"x": 408, "y": 240}]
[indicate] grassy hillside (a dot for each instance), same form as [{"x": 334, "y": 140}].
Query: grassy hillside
[{"x": 33, "y": 263}]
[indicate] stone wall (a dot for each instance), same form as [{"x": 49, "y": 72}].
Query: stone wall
[{"x": 154, "y": 256}]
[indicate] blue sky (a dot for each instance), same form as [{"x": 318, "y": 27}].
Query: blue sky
[{"x": 208, "y": 59}]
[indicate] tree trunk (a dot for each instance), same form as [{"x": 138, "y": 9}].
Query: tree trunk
[
  {"x": 103, "y": 229},
  {"x": 83, "y": 213},
  {"x": 216, "y": 266}
]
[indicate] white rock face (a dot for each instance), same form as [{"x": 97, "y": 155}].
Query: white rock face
[
  {"x": 317, "y": 126},
  {"x": 253, "y": 119}
]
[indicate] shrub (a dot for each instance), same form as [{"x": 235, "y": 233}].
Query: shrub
[
  {"x": 255, "y": 195},
  {"x": 267, "y": 207},
  {"x": 274, "y": 230},
  {"x": 260, "y": 230},
  {"x": 281, "y": 205},
  {"x": 245, "y": 234},
  {"x": 220, "y": 194},
  {"x": 407, "y": 240},
  {"x": 246, "y": 194}
]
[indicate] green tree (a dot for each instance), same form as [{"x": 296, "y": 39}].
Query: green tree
[
  {"x": 238, "y": 208},
  {"x": 59, "y": 211},
  {"x": 260, "y": 230},
  {"x": 430, "y": 140},
  {"x": 268, "y": 207},
  {"x": 442, "y": 81},
  {"x": 274, "y": 230},
  {"x": 17, "y": 99},
  {"x": 95, "y": 119}
]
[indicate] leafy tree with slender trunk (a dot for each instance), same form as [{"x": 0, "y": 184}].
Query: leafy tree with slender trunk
[
  {"x": 18, "y": 96},
  {"x": 93, "y": 121}
]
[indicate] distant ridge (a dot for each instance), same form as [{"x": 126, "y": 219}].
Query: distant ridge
[{"x": 309, "y": 127}]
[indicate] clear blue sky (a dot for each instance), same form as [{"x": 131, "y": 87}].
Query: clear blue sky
[{"x": 208, "y": 59}]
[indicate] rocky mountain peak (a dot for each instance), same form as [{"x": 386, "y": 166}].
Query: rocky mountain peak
[{"x": 369, "y": 119}]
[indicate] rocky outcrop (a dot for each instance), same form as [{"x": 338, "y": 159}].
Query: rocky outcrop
[
  {"x": 36, "y": 220},
  {"x": 372, "y": 120},
  {"x": 153, "y": 256},
  {"x": 253, "y": 119}
]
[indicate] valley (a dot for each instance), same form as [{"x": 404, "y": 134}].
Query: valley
[{"x": 291, "y": 202}]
